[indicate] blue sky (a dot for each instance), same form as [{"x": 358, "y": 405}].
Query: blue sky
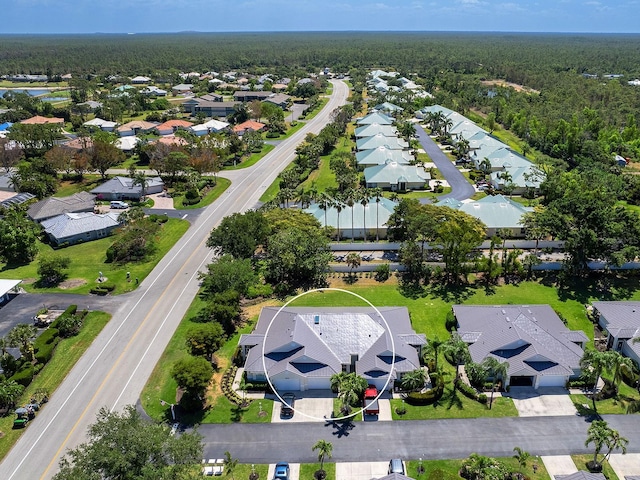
[{"x": 122, "y": 16}]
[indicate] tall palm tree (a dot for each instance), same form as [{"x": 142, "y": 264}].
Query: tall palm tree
[
  {"x": 324, "y": 202},
  {"x": 618, "y": 365},
  {"x": 497, "y": 370},
  {"x": 365, "y": 197},
  {"x": 338, "y": 205},
  {"x": 595, "y": 362},
  {"x": 601, "y": 435},
  {"x": 433, "y": 348},
  {"x": 22, "y": 336},
  {"x": 350, "y": 199},
  {"x": 377, "y": 194},
  {"x": 325, "y": 449},
  {"x": 230, "y": 463},
  {"x": 457, "y": 349}
]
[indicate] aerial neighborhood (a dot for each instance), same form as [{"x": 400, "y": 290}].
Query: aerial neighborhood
[{"x": 442, "y": 254}]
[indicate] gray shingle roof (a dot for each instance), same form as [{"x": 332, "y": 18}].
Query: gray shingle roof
[
  {"x": 582, "y": 475},
  {"x": 50, "y": 207},
  {"x": 125, "y": 186},
  {"x": 70, "y": 224},
  {"x": 621, "y": 317},
  {"x": 530, "y": 338},
  {"x": 316, "y": 342}
]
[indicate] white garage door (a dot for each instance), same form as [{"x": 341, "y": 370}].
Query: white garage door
[
  {"x": 551, "y": 381},
  {"x": 287, "y": 384},
  {"x": 318, "y": 384}
]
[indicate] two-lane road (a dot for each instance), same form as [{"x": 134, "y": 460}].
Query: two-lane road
[{"x": 115, "y": 368}]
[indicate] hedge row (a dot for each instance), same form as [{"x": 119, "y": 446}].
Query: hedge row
[
  {"x": 227, "y": 386},
  {"x": 430, "y": 396},
  {"x": 103, "y": 288},
  {"x": 470, "y": 392}
]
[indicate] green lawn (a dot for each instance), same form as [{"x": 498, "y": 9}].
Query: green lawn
[
  {"x": 322, "y": 178},
  {"x": 308, "y": 469},
  {"x": 243, "y": 470},
  {"x": 321, "y": 103},
  {"x": 425, "y": 193},
  {"x": 66, "y": 354},
  {"x": 581, "y": 463},
  {"x": 337, "y": 403},
  {"x": 87, "y": 259},
  {"x": 253, "y": 159},
  {"x": 617, "y": 405},
  {"x": 161, "y": 386},
  {"x": 290, "y": 131},
  {"x": 428, "y": 310},
  {"x": 69, "y": 187},
  {"x": 212, "y": 195},
  {"x": 448, "y": 469},
  {"x": 454, "y": 406}
]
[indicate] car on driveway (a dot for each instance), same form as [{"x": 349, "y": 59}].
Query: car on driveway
[
  {"x": 118, "y": 205},
  {"x": 287, "y": 407},
  {"x": 281, "y": 471}
]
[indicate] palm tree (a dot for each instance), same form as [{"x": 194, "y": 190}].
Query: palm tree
[
  {"x": 377, "y": 194},
  {"x": 365, "y": 196},
  {"x": 601, "y": 435},
  {"x": 22, "y": 336},
  {"x": 594, "y": 362},
  {"x": 457, "y": 349},
  {"x": 336, "y": 380},
  {"x": 325, "y": 449},
  {"x": 338, "y": 205},
  {"x": 351, "y": 198},
  {"x": 407, "y": 130},
  {"x": 618, "y": 365},
  {"x": 230, "y": 463},
  {"x": 433, "y": 348},
  {"x": 10, "y": 392},
  {"x": 497, "y": 370},
  {"x": 485, "y": 165},
  {"x": 413, "y": 380},
  {"x": 521, "y": 456},
  {"x": 353, "y": 261},
  {"x": 507, "y": 183}
]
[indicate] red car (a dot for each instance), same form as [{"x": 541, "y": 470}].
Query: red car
[{"x": 370, "y": 403}]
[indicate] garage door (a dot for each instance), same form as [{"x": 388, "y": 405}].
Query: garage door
[
  {"x": 521, "y": 381},
  {"x": 318, "y": 384},
  {"x": 552, "y": 381},
  {"x": 287, "y": 384}
]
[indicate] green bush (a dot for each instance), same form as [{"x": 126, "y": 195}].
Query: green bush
[
  {"x": 24, "y": 376},
  {"x": 108, "y": 286},
  {"x": 467, "y": 391},
  {"x": 383, "y": 272},
  {"x": 158, "y": 218},
  {"x": 98, "y": 291},
  {"x": 430, "y": 396},
  {"x": 482, "y": 398},
  {"x": 45, "y": 344}
]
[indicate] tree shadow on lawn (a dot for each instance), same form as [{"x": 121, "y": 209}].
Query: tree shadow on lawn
[
  {"x": 601, "y": 286},
  {"x": 452, "y": 293},
  {"x": 450, "y": 399}
]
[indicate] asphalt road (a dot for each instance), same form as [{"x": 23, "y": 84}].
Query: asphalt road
[
  {"x": 461, "y": 189},
  {"x": 115, "y": 368},
  {"x": 435, "y": 439}
]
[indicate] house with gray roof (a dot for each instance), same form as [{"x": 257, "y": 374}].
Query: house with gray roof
[
  {"x": 300, "y": 348},
  {"x": 379, "y": 140},
  {"x": 370, "y": 218},
  {"x": 396, "y": 177},
  {"x": 373, "y": 129},
  {"x": 53, "y": 206},
  {"x": 395, "y": 476},
  {"x": 375, "y": 117},
  {"x": 72, "y": 228},
  {"x": 122, "y": 188},
  {"x": 495, "y": 211},
  {"x": 388, "y": 108},
  {"x": 582, "y": 475},
  {"x": 382, "y": 155},
  {"x": 540, "y": 350},
  {"x": 621, "y": 321},
  {"x": 281, "y": 100},
  {"x": 209, "y": 108},
  {"x": 6, "y": 184}
]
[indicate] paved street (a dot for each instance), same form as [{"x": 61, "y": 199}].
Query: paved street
[
  {"x": 436, "y": 439},
  {"x": 115, "y": 368},
  {"x": 461, "y": 189}
]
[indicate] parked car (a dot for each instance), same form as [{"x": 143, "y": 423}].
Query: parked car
[
  {"x": 281, "y": 471},
  {"x": 288, "y": 405},
  {"x": 396, "y": 466},
  {"x": 370, "y": 403},
  {"x": 118, "y": 204}
]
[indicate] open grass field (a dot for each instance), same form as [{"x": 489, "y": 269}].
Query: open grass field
[
  {"x": 308, "y": 469},
  {"x": 69, "y": 187},
  {"x": 87, "y": 259},
  {"x": 66, "y": 354}
]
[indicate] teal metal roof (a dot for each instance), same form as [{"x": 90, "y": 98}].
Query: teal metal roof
[
  {"x": 376, "y": 117},
  {"x": 381, "y": 155},
  {"x": 393, "y": 173},
  {"x": 381, "y": 210}
]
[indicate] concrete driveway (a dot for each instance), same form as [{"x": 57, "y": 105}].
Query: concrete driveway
[
  {"x": 559, "y": 465},
  {"x": 384, "y": 413},
  {"x": 309, "y": 407},
  {"x": 541, "y": 402},
  {"x": 361, "y": 470},
  {"x": 626, "y": 465},
  {"x": 294, "y": 471}
]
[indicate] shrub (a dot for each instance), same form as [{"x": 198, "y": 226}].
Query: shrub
[
  {"x": 71, "y": 325},
  {"x": 382, "y": 273},
  {"x": 45, "y": 344},
  {"x": 450, "y": 321},
  {"x": 467, "y": 391},
  {"x": 482, "y": 398},
  {"x": 24, "y": 376}
]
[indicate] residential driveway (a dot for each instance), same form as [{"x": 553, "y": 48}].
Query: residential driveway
[
  {"x": 625, "y": 465},
  {"x": 543, "y": 402},
  {"x": 361, "y": 470},
  {"x": 310, "y": 406},
  {"x": 294, "y": 471},
  {"x": 384, "y": 413},
  {"x": 559, "y": 465},
  {"x": 161, "y": 201},
  {"x": 461, "y": 189}
]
